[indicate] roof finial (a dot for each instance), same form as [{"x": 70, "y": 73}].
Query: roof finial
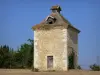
[{"x": 56, "y": 8}]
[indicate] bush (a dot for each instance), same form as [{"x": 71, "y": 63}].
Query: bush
[
  {"x": 79, "y": 67},
  {"x": 71, "y": 61},
  {"x": 35, "y": 69},
  {"x": 95, "y": 67}
]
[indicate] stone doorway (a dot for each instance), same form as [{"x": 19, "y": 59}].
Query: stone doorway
[{"x": 49, "y": 62}]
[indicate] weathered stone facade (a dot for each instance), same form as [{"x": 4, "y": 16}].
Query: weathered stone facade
[
  {"x": 55, "y": 37},
  {"x": 49, "y": 43}
]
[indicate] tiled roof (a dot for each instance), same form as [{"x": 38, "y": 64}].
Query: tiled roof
[
  {"x": 61, "y": 21},
  {"x": 70, "y": 25}
]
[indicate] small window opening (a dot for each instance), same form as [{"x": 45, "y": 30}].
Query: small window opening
[{"x": 51, "y": 20}]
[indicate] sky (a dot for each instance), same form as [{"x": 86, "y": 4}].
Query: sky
[{"x": 18, "y": 16}]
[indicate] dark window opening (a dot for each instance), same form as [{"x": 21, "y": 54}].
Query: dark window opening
[{"x": 51, "y": 20}]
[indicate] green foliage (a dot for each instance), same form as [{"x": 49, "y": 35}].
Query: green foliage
[
  {"x": 5, "y": 56},
  {"x": 22, "y": 58},
  {"x": 95, "y": 67},
  {"x": 71, "y": 61},
  {"x": 79, "y": 67}
]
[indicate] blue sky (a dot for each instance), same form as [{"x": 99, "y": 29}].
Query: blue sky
[{"x": 18, "y": 16}]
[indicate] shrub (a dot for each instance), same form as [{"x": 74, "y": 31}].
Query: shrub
[
  {"x": 71, "y": 61},
  {"x": 79, "y": 67},
  {"x": 95, "y": 67}
]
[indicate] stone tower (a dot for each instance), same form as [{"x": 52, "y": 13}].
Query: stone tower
[{"x": 55, "y": 39}]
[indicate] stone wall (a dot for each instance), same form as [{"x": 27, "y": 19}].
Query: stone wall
[
  {"x": 51, "y": 42},
  {"x": 72, "y": 37}
]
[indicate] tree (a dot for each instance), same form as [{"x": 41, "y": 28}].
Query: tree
[
  {"x": 31, "y": 52},
  {"x": 5, "y": 56},
  {"x": 22, "y": 58}
]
